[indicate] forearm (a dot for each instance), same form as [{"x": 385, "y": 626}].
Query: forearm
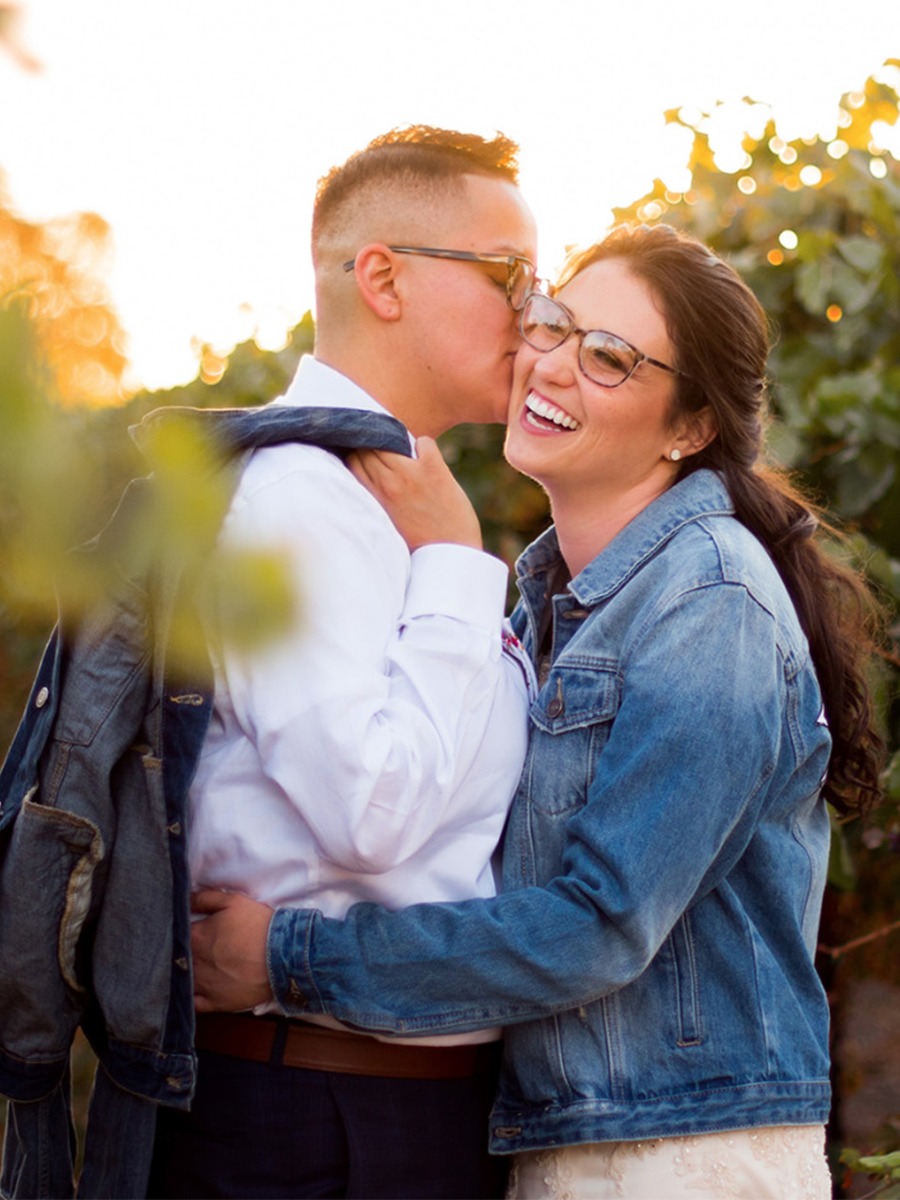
[
  {"x": 448, "y": 967},
  {"x": 626, "y": 874}
]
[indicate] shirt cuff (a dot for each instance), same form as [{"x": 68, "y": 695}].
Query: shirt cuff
[{"x": 456, "y": 581}]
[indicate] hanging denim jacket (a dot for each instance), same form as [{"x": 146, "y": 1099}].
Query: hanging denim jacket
[
  {"x": 651, "y": 953},
  {"x": 94, "y": 885}
]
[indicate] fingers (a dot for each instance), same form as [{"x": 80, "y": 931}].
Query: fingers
[
  {"x": 228, "y": 949},
  {"x": 372, "y": 469},
  {"x": 428, "y": 452},
  {"x": 420, "y": 495},
  {"x": 385, "y": 475},
  {"x": 358, "y": 466},
  {"x": 210, "y": 900}
]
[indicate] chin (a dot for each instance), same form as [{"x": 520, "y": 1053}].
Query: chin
[{"x": 520, "y": 462}]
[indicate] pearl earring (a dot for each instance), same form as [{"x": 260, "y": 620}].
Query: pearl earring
[{"x": 674, "y": 454}]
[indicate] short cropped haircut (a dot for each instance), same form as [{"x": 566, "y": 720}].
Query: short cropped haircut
[{"x": 417, "y": 158}]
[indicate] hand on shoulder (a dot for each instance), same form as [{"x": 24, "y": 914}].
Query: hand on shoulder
[{"x": 420, "y": 495}]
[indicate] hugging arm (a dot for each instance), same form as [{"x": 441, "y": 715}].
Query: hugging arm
[{"x": 637, "y": 854}]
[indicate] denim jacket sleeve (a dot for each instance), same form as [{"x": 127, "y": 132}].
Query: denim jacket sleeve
[{"x": 705, "y": 740}]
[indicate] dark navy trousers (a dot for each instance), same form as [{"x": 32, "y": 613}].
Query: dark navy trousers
[{"x": 264, "y": 1130}]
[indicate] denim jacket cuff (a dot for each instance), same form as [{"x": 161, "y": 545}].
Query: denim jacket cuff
[{"x": 287, "y": 958}]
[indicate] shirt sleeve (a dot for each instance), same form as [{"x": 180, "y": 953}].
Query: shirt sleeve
[
  {"x": 358, "y": 713},
  {"x": 672, "y": 805}
]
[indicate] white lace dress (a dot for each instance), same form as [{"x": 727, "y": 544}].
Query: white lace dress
[{"x": 777, "y": 1163}]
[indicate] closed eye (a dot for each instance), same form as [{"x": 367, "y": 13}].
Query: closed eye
[{"x": 607, "y": 356}]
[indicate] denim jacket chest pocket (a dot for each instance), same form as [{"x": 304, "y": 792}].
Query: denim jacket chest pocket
[{"x": 571, "y": 720}]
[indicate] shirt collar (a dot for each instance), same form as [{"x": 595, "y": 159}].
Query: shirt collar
[{"x": 317, "y": 385}]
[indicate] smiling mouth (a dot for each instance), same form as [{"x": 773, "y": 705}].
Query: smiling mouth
[{"x": 543, "y": 415}]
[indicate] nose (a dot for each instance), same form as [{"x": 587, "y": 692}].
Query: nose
[{"x": 560, "y": 365}]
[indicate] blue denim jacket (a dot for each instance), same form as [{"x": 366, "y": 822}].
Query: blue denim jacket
[
  {"x": 652, "y": 951},
  {"x": 94, "y": 886}
]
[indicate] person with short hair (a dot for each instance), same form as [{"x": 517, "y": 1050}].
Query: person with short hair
[{"x": 373, "y": 751}]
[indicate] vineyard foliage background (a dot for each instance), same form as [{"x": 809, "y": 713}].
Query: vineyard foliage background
[{"x": 812, "y": 225}]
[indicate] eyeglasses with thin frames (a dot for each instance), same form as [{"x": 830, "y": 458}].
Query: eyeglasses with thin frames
[
  {"x": 521, "y": 273},
  {"x": 604, "y": 358}
]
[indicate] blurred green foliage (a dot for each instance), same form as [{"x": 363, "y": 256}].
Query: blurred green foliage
[
  {"x": 64, "y": 464},
  {"x": 884, "y": 1169},
  {"x": 813, "y": 225}
]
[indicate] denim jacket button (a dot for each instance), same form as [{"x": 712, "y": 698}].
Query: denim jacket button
[
  {"x": 297, "y": 998},
  {"x": 556, "y": 707},
  {"x": 42, "y": 697}
]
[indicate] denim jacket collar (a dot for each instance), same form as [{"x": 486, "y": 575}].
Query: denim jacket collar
[{"x": 700, "y": 494}]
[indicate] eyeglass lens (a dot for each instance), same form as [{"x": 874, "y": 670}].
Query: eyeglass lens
[
  {"x": 520, "y": 283},
  {"x": 603, "y": 357}
]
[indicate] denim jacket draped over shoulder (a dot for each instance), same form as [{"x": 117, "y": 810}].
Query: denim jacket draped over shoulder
[
  {"x": 652, "y": 951},
  {"x": 94, "y": 886}
]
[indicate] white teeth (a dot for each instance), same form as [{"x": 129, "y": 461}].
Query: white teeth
[{"x": 543, "y": 408}]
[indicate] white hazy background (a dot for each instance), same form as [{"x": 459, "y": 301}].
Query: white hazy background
[{"x": 198, "y": 128}]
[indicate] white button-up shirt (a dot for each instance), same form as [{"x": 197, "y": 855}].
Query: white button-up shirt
[{"x": 370, "y": 754}]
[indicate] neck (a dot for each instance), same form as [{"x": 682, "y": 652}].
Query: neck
[
  {"x": 376, "y": 373},
  {"x": 585, "y": 527}
]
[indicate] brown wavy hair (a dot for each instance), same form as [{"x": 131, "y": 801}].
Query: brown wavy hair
[{"x": 720, "y": 334}]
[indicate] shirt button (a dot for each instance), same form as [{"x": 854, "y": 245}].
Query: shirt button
[{"x": 42, "y": 697}]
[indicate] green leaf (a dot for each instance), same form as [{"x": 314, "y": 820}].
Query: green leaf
[
  {"x": 881, "y": 1163},
  {"x": 862, "y": 482},
  {"x": 813, "y": 279},
  {"x": 863, "y": 253},
  {"x": 852, "y": 291}
]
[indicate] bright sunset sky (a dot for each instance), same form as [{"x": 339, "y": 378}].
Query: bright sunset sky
[{"x": 198, "y": 128}]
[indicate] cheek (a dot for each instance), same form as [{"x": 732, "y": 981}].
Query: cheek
[
  {"x": 502, "y": 322},
  {"x": 483, "y": 334}
]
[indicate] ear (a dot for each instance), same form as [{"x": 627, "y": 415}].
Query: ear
[
  {"x": 696, "y": 431},
  {"x": 375, "y": 271}
]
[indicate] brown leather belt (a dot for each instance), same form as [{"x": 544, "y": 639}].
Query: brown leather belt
[{"x": 283, "y": 1042}]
